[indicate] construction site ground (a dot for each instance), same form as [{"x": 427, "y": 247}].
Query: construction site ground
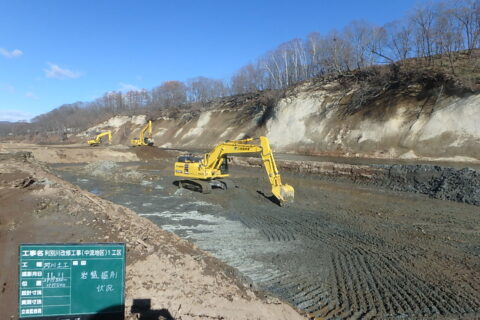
[
  {"x": 342, "y": 250},
  {"x": 178, "y": 280}
]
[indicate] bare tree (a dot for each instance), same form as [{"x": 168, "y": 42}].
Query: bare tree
[
  {"x": 399, "y": 42},
  {"x": 422, "y": 19},
  {"x": 248, "y": 79},
  {"x": 447, "y": 34},
  {"x": 467, "y": 12},
  {"x": 362, "y": 35},
  {"x": 170, "y": 94},
  {"x": 313, "y": 49},
  {"x": 338, "y": 53},
  {"x": 202, "y": 89}
]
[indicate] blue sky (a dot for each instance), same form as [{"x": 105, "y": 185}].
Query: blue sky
[{"x": 56, "y": 52}]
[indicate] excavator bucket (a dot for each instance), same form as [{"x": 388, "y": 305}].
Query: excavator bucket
[{"x": 284, "y": 193}]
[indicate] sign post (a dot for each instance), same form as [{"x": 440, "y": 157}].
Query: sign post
[{"x": 71, "y": 281}]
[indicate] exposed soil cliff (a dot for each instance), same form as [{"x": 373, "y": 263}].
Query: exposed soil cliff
[{"x": 420, "y": 116}]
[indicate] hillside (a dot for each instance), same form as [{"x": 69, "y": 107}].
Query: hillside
[{"x": 406, "y": 115}]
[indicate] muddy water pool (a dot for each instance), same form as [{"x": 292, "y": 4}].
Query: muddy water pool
[{"x": 208, "y": 225}]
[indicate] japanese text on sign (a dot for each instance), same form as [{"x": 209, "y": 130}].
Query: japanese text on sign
[{"x": 71, "y": 279}]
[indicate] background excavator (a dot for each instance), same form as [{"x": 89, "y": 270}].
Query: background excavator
[
  {"x": 145, "y": 139},
  {"x": 209, "y": 171},
  {"x": 98, "y": 139}
]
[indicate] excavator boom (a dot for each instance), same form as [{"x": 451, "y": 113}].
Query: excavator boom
[{"x": 213, "y": 165}]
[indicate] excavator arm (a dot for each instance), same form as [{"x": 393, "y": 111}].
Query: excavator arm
[
  {"x": 148, "y": 129},
  {"x": 283, "y": 192}
]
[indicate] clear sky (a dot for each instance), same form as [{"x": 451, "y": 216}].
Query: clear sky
[{"x": 56, "y": 52}]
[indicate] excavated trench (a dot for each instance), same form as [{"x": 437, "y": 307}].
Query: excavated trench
[{"x": 342, "y": 250}]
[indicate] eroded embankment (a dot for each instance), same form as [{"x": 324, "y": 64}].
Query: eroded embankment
[
  {"x": 178, "y": 279},
  {"x": 420, "y": 120},
  {"x": 461, "y": 185}
]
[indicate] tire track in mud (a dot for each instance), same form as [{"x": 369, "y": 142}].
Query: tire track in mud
[{"x": 362, "y": 277}]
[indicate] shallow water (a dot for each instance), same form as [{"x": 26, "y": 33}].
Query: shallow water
[{"x": 210, "y": 226}]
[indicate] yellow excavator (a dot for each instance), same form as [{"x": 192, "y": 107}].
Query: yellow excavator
[
  {"x": 144, "y": 140},
  {"x": 208, "y": 171},
  {"x": 98, "y": 139}
]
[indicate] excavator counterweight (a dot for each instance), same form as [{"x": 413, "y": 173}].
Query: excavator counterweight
[{"x": 211, "y": 168}]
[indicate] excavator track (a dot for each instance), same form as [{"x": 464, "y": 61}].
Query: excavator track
[
  {"x": 196, "y": 185},
  {"x": 228, "y": 184}
]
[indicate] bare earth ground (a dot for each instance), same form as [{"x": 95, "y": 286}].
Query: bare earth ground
[
  {"x": 73, "y": 153},
  {"x": 367, "y": 252},
  {"x": 180, "y": 280},
  {"x": 388, "y": 254}
]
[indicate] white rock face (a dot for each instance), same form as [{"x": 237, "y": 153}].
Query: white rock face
[
  {"x": 308, "y": 122},
  {"x": 376, "y": 131},
  {"x": 118, "y": 121},
  {"x": 460, "y": 117},
  {"x": 139, "y": 120},
  {"x": 289, "y": 126},
  {"x": 312, "y": 121},
  {"x": 201, "y": 125}
]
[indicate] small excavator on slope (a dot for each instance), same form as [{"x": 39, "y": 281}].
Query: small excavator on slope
[
  {"x": 144, "y": 140},
  {"x": 98, "y": 139},
  {"x": 209, "y": 171}
]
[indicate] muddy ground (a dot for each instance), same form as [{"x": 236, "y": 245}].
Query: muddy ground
[
  {"x": 344, "y": 249},
  {"x": 458, "y": 183},
  {"x": 180, "y": 280},
  {"x": 72, "y": 153},
  {"x": 368, "y": 252}
]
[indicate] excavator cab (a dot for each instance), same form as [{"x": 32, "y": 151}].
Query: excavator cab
[
  {"x": 147, "y": 141},
  {"x": 224, "y": 166},
  {"x": 189, "y": 158}
]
